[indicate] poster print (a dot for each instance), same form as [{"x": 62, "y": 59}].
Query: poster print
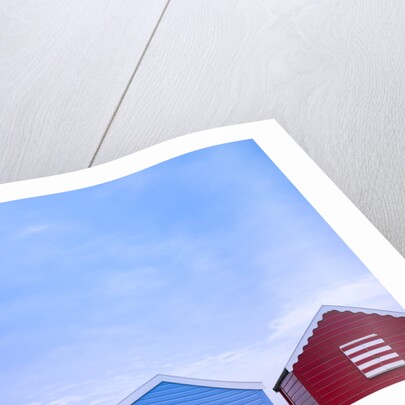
[{"x": 206, "y": 278}]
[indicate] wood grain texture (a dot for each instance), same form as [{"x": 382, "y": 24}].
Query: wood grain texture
[
  {"x": 330, "y": 72},
  {"x": 63, "y": 68}
]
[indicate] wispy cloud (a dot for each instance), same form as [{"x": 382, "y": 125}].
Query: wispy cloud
[
  {"x": 365, "y": 291},
  {"x": 265, "y": 360},
  {"x": 210, "y": 265},
  {"x": 32, "y": 230}
]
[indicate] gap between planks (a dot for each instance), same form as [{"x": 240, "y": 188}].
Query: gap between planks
[{"x": 129, "y": 84}]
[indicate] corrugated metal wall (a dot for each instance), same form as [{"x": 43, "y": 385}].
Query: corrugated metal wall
[
  {"x": 329, "y": 375},
  {"x": 178, "y": 394}
]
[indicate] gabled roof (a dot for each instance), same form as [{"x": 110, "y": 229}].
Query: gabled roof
[
  {"x": 196, "y": 382},
  {"x": 318, "y": 317}
]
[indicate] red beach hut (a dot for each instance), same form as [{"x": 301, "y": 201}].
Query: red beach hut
[{"x": 345, "y": 355}]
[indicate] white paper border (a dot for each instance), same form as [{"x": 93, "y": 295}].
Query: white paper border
[
  {"x": 342, "y": 215},
  {"x": 379, "y": 256}
]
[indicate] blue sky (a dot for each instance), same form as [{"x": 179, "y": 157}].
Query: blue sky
[{"x": 209, "y": 265}]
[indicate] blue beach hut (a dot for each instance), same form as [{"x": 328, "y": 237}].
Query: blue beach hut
[{"x": 171, "y": 390}]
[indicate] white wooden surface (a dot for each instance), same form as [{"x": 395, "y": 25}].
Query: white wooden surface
[
  {"x": 330, "y": 72},
  {"x": 63, "y": 67}
]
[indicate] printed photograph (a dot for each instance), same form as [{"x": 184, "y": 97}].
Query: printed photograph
[{"x": 206, "y": 279}]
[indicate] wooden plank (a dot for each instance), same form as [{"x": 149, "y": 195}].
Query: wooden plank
[
  {"x": 63, "y": 68},
  {"x": 329, "y": 71}
]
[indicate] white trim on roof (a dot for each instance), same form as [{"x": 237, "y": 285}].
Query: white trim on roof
[
  {"x": 318, "y": 317},
  {"x": 157, "y": 379}
]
